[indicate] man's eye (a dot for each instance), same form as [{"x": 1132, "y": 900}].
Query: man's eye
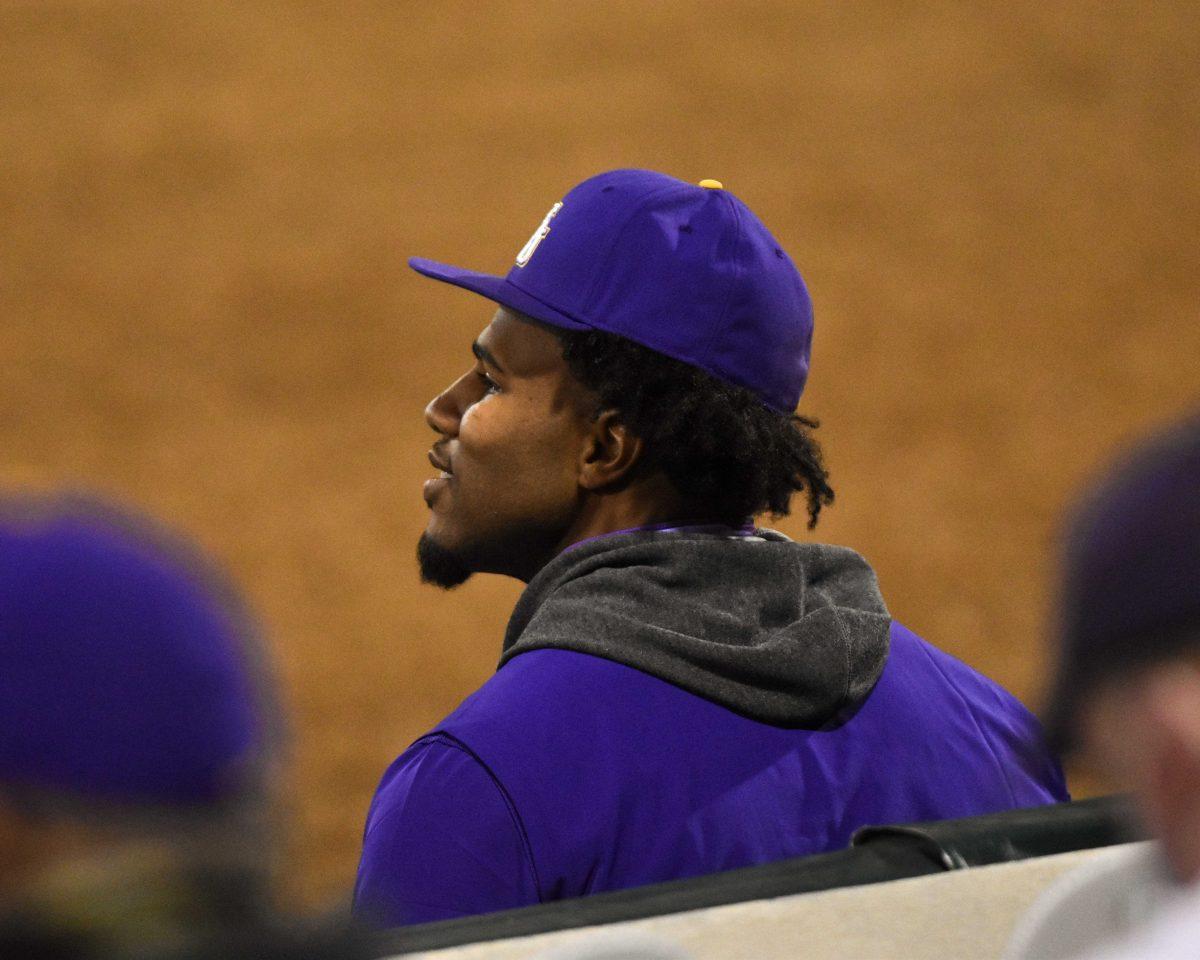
[{"x": 489, "y": 384}]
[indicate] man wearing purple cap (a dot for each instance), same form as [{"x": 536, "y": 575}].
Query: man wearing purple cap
[
  {"x": 680, "y": 691},
  {"x": 1126, "y": 699}
]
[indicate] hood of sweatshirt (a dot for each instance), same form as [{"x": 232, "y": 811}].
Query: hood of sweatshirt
[{"x": 787, "y": 633}]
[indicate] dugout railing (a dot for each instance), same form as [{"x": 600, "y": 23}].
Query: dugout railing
[{"x": 876, "y": 854}]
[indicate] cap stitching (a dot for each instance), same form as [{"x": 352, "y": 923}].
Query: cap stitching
[
  {"x": 620, "y": 232},
  {"x": 720, "y": 327}
]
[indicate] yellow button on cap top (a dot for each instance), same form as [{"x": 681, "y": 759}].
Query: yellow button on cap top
[{"x": 711, "y": 184}]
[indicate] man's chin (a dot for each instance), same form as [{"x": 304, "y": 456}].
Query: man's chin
[{"x": 439, "y": 565}]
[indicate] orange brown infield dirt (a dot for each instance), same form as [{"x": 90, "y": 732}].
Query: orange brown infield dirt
[{"x": 205, "y": 210}]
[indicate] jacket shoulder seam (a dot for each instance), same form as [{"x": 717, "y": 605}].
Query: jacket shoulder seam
[
  {"x": 1012, "y": 796},
  {"x": 451, "y": 741}
]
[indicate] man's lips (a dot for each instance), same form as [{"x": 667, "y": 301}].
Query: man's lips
[
  {"x": 431, "y": 487},
  {"x": 440, "y": 465}
]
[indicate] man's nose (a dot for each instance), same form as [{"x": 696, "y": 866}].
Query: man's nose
[{"x": 442, "y": 413}]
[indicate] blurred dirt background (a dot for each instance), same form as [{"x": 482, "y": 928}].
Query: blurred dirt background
[{"x": 204, "y": 309}]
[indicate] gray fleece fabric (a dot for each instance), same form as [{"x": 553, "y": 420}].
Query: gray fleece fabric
[{"x": 783, "y": 632}]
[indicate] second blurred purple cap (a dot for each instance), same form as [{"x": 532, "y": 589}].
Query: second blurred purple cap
[
  {"x": 685, "y": 270},
  {"x": 1131, "y": 584},
  {"x": 128, "y": 670}
]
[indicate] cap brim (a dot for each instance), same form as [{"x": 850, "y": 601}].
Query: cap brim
[{"x": 498, "y": 289}]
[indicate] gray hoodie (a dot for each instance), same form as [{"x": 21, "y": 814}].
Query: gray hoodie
[{"x": 787, "y": 633}]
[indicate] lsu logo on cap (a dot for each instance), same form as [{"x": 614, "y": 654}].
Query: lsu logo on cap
[{"x": 538, "y": 236}]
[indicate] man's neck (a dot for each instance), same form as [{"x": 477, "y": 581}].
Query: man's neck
[{"x": 651, "y": 504}]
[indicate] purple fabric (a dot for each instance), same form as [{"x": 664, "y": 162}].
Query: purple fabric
[
  {"x": 567, "y": 775},
  {"x": 122, "y": 673},
  {"x": 1131, "y": 591},
  {"x": 687, "y": 271}
]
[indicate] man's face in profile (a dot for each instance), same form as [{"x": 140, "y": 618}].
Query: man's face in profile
[{"x": 511, "y": 432}]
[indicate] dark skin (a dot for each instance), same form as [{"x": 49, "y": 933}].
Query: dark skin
[{"x": 527, "y": 467}]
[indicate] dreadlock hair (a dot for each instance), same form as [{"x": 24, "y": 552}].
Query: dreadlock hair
[{"x": 719, "y": 446}]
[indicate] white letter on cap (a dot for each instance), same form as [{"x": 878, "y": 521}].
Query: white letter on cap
[{"x": 538, "y": 236}]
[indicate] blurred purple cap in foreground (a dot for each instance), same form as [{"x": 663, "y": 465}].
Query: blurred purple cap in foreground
[
  {"x": 1131, "y": 584},
  {"x": 123, "y": 661}
]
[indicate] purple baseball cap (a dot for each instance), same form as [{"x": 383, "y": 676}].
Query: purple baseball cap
[
  {"x": 688, "y": 271},
  {"x": 1131, "y": 572},
  {"x": 126, "y": 674}
]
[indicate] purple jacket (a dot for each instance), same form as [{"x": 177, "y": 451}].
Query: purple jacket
[{"x": 569, "y": 773}]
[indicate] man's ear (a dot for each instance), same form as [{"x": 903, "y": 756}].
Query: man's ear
[{"x": 611, "y": 451}]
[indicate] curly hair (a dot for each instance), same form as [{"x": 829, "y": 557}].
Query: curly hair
[{"x": 719, "y": 446}]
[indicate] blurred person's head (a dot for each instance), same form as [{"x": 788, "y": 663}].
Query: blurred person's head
[
  {"x": 137, "y": 727},
  {"x": 1127, "y": 691},
  {"x": 644, "y": 367}
]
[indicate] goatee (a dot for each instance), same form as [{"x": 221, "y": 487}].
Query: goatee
[{"x": 440, "y": 566}]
